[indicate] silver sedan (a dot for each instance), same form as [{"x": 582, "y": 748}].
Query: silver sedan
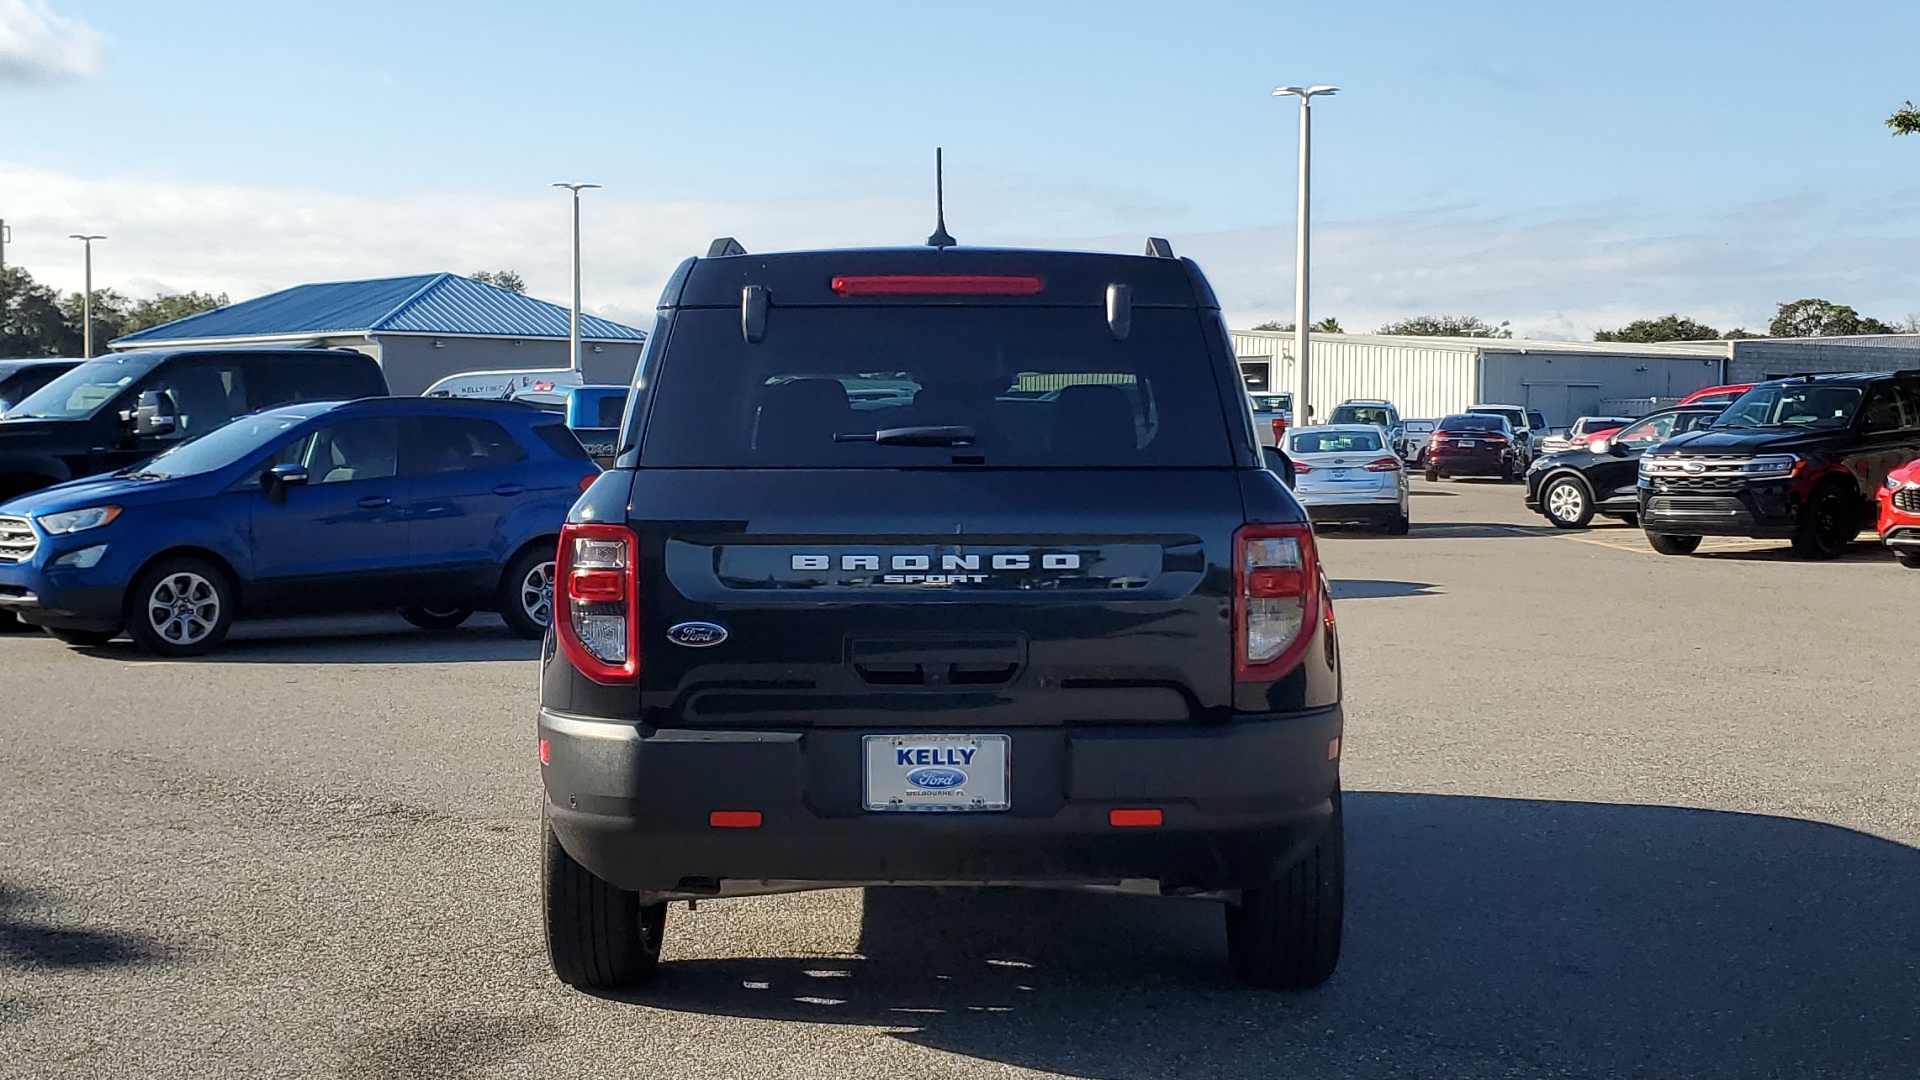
[{"x": 1348, "y": 472}]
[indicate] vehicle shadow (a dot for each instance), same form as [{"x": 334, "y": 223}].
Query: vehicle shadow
[
  {"x": 28, "y": 942},
  {"x": 1484, "y": 937},
  {"x": 1369, "y": 589},
  {"x": 1860, "y": 551},
  {"x": 1477, "y": 530},
  {"x": 350, "y": 639}
]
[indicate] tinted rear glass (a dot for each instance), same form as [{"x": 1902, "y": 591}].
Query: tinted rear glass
[
  {"x": 1470, "y": 423},
  {"x": 1362, "y": 414},
  {"x": 1030, "y": 387},
  {"x": 1334, "y": 442}
]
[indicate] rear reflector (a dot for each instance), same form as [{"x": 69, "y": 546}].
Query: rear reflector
[
  {"x": 935, "y": 285},
  {"x": 1127, "y": 819},
  {"x": 587, "y": 481},
  {"x": 546, "y": 757},
  {"x": 734, "y": 819}
]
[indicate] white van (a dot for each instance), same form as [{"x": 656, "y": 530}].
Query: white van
[{"x": 503, "y": 384}]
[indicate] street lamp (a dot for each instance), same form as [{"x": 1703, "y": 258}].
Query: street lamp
[
  {"x": 573, "y": 321},
  {"x": 1306, "y": 96},
  {"x": 86, "y": 298}
]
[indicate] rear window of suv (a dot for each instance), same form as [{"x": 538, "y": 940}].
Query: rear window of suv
[
  {"x": 995, "y": 386},
  {"x": 1474, "y": 422}
]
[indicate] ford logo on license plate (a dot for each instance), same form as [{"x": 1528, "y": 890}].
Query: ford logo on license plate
[{"x": 936, "y": 777}]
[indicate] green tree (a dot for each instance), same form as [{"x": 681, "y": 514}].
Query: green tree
[
  {"x": 1447, "y": 326},
  {"x": 1674, "y": 327},
  {"x": 109, "y": 317},
  {"x": 1328, "y": 325},
  {"x": 1905, "y": 120},
  {"x": 1821, "y": 318},
  {"x": 31, "y": 322},
  {"x": 165, "y": 309},
  {"x": 509, "y": 280}
]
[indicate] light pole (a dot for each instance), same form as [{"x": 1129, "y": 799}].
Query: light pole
[
  {"x": 1302, "y": 385},
  {"x": 86, "y": 298},
  {"x": 6, "y": 237},
  {"x": 573, "y": 321}
]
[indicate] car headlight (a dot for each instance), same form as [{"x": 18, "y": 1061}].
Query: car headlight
[
  {"x": 1895, "y": 483},
  {"x": 73, "y": 521},
  {"x": 1772, "y": 465}
]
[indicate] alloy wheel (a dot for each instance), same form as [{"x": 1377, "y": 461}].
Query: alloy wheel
[
  {"x": 183, "y": 608},
  {"x": 1565, "y": 502},
  {"x": 536, "y": 593}
]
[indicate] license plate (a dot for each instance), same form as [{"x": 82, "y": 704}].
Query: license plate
[
  {"x": 1466, "y": 442},
  {"x": 937, "y": 772},
  {"x": 1341, "y": 474}
]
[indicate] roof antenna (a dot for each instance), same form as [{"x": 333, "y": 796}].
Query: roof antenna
[{"x": 940, "y": 237}]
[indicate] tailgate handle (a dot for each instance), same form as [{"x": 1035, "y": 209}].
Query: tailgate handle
[{"x": 937, "y": 661}]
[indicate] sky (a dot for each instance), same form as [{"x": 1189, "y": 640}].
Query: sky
[{"x": 1562, "y": 167}]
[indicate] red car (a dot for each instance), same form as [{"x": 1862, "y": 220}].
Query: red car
[
  {"x": 1900, "y": 514},
  {"x": 1472, "y": 444},
  {"x": 1716, "y": 395}
]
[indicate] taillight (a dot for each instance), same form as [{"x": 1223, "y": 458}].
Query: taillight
[
  {"x": 935, "y": 285},
  {"x": 1495, "y": 440},
  {"x": 1385, "y": 464},
  {"x": 596, "y": 601},
  {"x": 587, "y": 480},
  {"x": 1300, "y": 467},
  {"x": 1276, "y": 598},
  {"x": 1279, "y": 429}
]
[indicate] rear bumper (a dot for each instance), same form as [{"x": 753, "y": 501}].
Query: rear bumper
[
  {"x": 1241, "y": 802},
  {"x": 1471, "y": 463}
]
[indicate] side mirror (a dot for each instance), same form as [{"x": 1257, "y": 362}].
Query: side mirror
[
  {"x": 1279, "y": 463},
  {"x": 281, "y": 477},
  {"x": 155, "y": 415}
]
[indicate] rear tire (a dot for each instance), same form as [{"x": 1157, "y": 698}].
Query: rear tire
[
  {"x": 1908, "y": 559},
  {"x": 1670, "y": 544},
  {"x": 180, "y": 607},
  {"x": 82, "y": 639},
  {"x": 11, "y": 624},
  {"x": 1828, "y": 523},
  {"x": 525, "y": 602},
  {"x": 1567, "y": 502},
  {"x": 435, "y": 618},
  {"x": 1286, "y": 935},
  {"x": 1631, "y": 521},
  {"x": 1433, "y": 476},
  {"x": 599, "y": 937},
  {"x": 1399, "y": 525}
]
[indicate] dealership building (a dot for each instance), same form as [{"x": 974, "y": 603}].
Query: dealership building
[
  {"x": 1434, "y": 376},
  {"x": 420, "y": 328}
]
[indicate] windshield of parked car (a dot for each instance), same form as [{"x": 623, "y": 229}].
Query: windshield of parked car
[
  {"x": 82, "y": 392},
  {"x": 1473, "y": 422},
  {"x": 1362, "y": 414},
  {"x": 1272, "y": 402},
  {"x": 1793, "y": 405},
  {"x": 222, "y": 446},
  {"x": 1333, "y": 442}
]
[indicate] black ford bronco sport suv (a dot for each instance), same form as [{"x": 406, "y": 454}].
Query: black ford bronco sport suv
[
  {"x": 940, "y": 567},
  {"x": 1798, "y": 459}
]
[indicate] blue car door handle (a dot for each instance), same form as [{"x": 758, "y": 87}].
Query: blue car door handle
[
  {"x": 374, "y": 502},
  {"x": 508, "y": 489}
]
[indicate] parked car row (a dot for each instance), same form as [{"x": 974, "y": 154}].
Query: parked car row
[{"x": 1815, "y": 460}]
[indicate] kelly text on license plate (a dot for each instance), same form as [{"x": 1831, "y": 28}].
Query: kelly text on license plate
[{"x": 937, "y": 772}]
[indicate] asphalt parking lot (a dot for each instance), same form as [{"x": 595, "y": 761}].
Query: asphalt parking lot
[{"x": 1610, "y": 814}]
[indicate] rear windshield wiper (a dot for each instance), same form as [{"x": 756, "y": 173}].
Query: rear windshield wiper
[{"x": 914, "y": 436}]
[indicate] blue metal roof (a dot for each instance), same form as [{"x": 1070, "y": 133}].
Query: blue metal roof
[{"x": 421, "y": 304}]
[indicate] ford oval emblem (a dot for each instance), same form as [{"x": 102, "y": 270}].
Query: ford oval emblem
[
  {"x": 1695, "y": 466},
  {"x": 696, "y": 635},
  {"x": 936, "y": 777}
]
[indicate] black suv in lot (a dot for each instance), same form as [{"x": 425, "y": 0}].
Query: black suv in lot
[
  {"x": 1799, "y": 459},
  {"x": 113, "y": 411},
  {"x": 940, "y": 567}
]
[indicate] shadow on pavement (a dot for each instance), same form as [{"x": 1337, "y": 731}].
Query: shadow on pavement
[
  {"x": 1860, "y": 551},
  {"x": 28, "y": 942},
  {"x": 1476, "y": 530},
  {"x": 350, "y": 639},
  {"x": 1368, "y": 589},
  {"x": 1484, "y": 937}
]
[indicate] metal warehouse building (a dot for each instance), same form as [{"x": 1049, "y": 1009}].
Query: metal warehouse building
[
  {"x": 1434, "y": 376},
  {"x": 419, "y": 328}
]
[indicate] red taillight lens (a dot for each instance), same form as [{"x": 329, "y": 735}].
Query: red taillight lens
[
  {"x": 1279, "y": 429},
  {"x": 1300, "y": 469},
  {"x": 596, "y": 602},
  {"x": 1385, "y": 464},
  {"x": 1495, "y": 440},
  {"x": 935, "y": 285},
  {"x": 587, "y": 480},
  {"x": 1276, "y": 599}
]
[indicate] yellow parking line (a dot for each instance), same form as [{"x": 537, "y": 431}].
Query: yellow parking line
[{"x": 1606, "y": 544}]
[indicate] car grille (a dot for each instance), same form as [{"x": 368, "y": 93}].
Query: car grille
[
  {"x": 1672, "y": 482},
  {"x": 1694, "y": 505},
  {"x": 18, "y": 541},
  {"x": 1908, "y": 499}
]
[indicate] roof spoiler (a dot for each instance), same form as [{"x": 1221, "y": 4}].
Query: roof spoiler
[
  {"x": 1159, "y": 248},
  {"x": 723, "y": 247}
]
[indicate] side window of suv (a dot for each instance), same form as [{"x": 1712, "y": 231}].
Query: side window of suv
[
  {"x": 1647, "y": 432},
  {"x": 437, "y": 445},
  {"x": 205, "y": 394},
  {"x": 355, "y": 450}
]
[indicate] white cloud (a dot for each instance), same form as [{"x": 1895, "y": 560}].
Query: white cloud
[
  {"x": 38, "y": 46},
  {"x": 1560, "y": 276}
]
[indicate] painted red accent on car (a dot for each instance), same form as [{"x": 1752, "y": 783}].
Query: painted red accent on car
[
  {"x": 734, "y": 819},
  {"x": 1133, "y": 819}
]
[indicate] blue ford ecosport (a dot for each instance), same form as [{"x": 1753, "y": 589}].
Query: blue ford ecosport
[{"x": 437, "y": 507}]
